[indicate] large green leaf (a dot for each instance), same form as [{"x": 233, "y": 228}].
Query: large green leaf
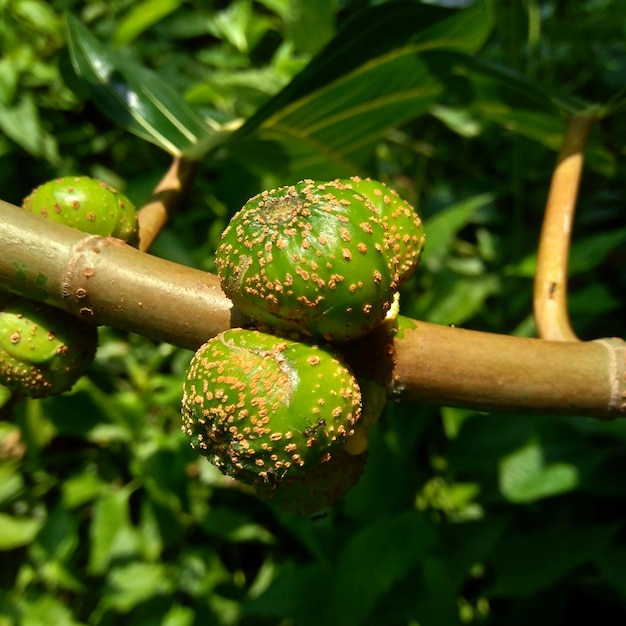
[
  {"x": 375, "y": 559},
  {"x": 368, "y": 79},
  {"x": 525, "y": 475},
  {"x": 136, "y": 99}
]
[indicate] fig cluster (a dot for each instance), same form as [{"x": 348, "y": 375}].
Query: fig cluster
[
  {"x": 44, "y": 351},
  {"x": 314, "y": 265}
]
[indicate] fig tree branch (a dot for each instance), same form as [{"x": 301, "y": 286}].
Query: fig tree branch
[
  {"x": 169, "y": 194},
  {"x": 103, "y": 280},
  {"x": 550, "y": 287}
]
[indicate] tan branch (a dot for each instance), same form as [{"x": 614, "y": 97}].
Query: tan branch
[
  {"x": 166, "y": 197},
  {"x": 550, "y": 288},
  {"x": 104, "y": 280}
]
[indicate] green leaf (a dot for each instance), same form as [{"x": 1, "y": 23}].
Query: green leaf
[
  {"x": 17, "y": 531},
  {"x": 454, "y": 300},
  {"x": 59, "y": 536},
  {"x": 11, "y": 481},
  {"x": 136, "y": 99},
  {"x": 142, "y": 16},
  {"x": 131, "y": 584},
  {"x": 443, "y": 226},
  {"x": 525, "y": 476},
  {"x": 524, "y": 562},
  {"x": 311, "y": 24},
  {"x": 234, "y": 527},
  {"x": 586, "y": 254},
  {"x": 612, "y": 565},
  {"x": 22, "y": 123},
  {"x": 367, "y": 80},
  {"x": 45, "y": 610},
  {"x": 111, "y": 534},
  {"x": 375, "y": 559}
]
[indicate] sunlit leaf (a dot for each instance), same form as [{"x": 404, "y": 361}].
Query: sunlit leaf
[
  {"x": 17, "y": 531},
  {"x": 525, "y": 476},
  {"x": 137, "y": 99},
  {"x": 142, "y": 16},
  {"x": 111, "y": 533},
  {"x": 128, "y": 585},
  {"x": 367, "y": 80}
]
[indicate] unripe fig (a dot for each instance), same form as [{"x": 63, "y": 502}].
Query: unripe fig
[
  {"x": 311, "y": 259},
  {"x": 403, "y": 223},
  {"x": 86, "y": 204},
  {"x": 319, "y": 487},
  {"x": 265, "y": 409},
  {"x": 43, "y": 351}
]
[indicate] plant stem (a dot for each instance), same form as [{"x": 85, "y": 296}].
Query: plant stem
[
  {"x": 104, "y": 280},
  {"x": 167, "y": 195},
  {"x": 550, "y": 288}
]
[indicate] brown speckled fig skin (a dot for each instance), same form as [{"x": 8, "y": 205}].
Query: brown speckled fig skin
[
  {"x": 43, "y": 351},
  {"x": 86, "y": 204},
  {"x": 309, "y": 259},
  {"x": 265, "y": 409},
  {"x": 403, "y": 223},
  {"x": 319, "y": 487}
]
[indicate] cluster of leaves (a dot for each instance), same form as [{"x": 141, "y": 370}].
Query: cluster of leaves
[{"x": 107, "y": 516}]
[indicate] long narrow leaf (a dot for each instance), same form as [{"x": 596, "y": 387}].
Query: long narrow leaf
[
  {"x": 136, "y": 99},
  {"x": 368, "y": 79}
]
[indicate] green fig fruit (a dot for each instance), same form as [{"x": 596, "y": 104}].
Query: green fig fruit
[
  {"x": 403, "y": 223},
  {"x": 86, "y": 204},
  {"x": 265, "y": 409},
  {"x": 43, "y": 351},
  {"x": 319, "y": 487},
  {"x": 309, "y": 259}
]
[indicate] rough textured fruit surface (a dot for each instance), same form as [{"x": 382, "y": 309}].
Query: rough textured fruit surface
[
  {"x": 311, "y": 258},
  {"x": 43, "y": 351},
  {"x": 264, "y": 409},
  {"x": 86, "y": 204},
  {"x": 403, "y": 223},
  {"x": 318, "y": 487}
]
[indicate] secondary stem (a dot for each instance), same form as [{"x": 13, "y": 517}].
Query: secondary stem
[
  {"x": 550, "y": 288},
  {"x": 167, "y": 195},
  {"x": 104, "y": 280}
]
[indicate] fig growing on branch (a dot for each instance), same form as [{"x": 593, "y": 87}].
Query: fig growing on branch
[
  {"x": 403, "y": 223},
  {"x": 312, "y": 259},
  {"x": 86, "y": 204},
  {"x": 268, "y": 410},
  {"x": 43, "y": 351},
  {"x": 318, "y": 487}
]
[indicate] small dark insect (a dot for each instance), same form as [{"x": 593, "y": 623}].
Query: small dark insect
[
  {"x": 308, "y": 432},
  {"x": 318, "y": 516},
  {"x": 551, "y": 290},
  {"x": 273, "y": 479}
]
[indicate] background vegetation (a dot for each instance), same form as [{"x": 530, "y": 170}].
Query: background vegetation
[{"x": 108, "y": 517}]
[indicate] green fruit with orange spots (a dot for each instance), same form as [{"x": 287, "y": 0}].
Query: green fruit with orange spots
[
  {"x": 310, "y": 259},
  {"x": 403, "y": 223},
  {"x": 86, "y": 204},
  {"x": 265, "y": 409},
  {"x": 43, "y": 351},
  {"x": 320, "y": 486}
]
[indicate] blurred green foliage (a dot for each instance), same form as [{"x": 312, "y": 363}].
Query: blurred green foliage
[{"x": 106, "y": 514}]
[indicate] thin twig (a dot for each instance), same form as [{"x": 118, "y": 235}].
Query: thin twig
[
  {"x": 550, "y": 288},
  {"x": 166, "y": 197}
]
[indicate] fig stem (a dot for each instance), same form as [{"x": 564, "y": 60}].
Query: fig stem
[
  {"x": 167, "y": 196},
  {"x": 550, "y": 286},
  {"x": 102, "y": 279}
]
